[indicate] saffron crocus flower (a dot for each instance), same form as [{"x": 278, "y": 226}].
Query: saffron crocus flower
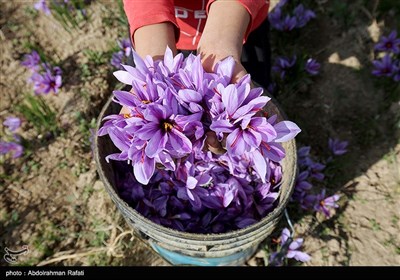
[
  {"x": 116, "y": 59},
  {"x": 383, "y": 67},
  {"x": 315, "y": 169},
  {"x": 289, "y": 249},
  {"x": 324, "y": 204},
  {"x": 389, "y": 44},
  {"x": 42, "y": 6},
  {"x": 312, "y": 66},
  {"x": 46, "y": 82},
  {"x": 32, "y": 61},
  {"x": 125, "y": 46},
  {"x": 11, "y": 147},
  {"x": 303, "y": 16},
  {"x": 275, "y": 18},
  {"x": 161, "y": 130},
  {"x": 301, "y": 182},
  {"x": 287, "y": 24},
  {"x": 283, "y": 64},
  {"x": 13, "y": 123},
  {"x": 337, "y": 147}
]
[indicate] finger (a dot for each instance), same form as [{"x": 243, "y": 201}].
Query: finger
[
  {"x": 124, "y": 110},
  {"x": 213, "y": 144}
]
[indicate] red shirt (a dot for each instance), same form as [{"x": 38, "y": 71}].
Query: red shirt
[{"x": 188, "y": 16}]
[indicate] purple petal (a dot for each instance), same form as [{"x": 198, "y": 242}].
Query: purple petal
[
  {"x": 156, "y": 144},
  {"x": 13, "y": 123},
  {"x": 118, "y": 138},
  {"x": 231, "y": 99},
  {"x": 144, "y": 169},
  {"x": 273, "y": 151},
  {"x": 301, "y": 256},
  {"x": 259, "y": 165},
  {"x": 179, "y": 141},
  {"x": 191, "y": 183},
  {"x": 189, "y": 95},
  {"x": 124, "y": 97},
  {"x": 235, "y": 143},
  {"x": 147, "y": 131},
  {"x": 285, "y": 235},
  {"x": 296, "y": 244},
  {"x": 124, "y": 77},
  {"x": 221, "y": 126},
  {"x": 242, "y": 223},
  {"x": 286, "y": 130},
  {"x": 252, "y": 138}
]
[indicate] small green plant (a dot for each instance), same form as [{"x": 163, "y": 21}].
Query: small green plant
[
  {"x": 342, "y": 12},
  {"x": 375, "y": 225},
  {"x": 96, "y": 57},
  {"x": 39, "y": 114},
  {"x": 86, "y": 128},
  {"x": 70, "y": 14},
  {"x": 122, "y": 18},
  {"x": 29, "y": 47}
]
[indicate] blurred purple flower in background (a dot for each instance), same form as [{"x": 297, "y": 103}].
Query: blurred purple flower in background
[
  {"x": 303, "y": 15},
  {"x": 275, "y": 18},
  {"x": 125, "y": 46},
  {"x": 279, "y": 21},
  {"x": 384, "y": 66},
  {"x": 312, "y": 66},
  {"x": 389, "y": 44},
  {"x": 50, "y": 80},
  {"x": 42, "y": 6},
  {"x": 45, "y": 78},
  {"x": 116, "y": 59},
  {"x": 13, "y": 123},
  {"x": 283, "y": 64},
  {"x": 121, "y": 56},
  {"x": 11, "y": 147},
  {"x": 288, "y": 23},
  {"x": 337, "y": 147},
  {"x": 32, "y": 61},
  {"x": 288, "y": 249},
  {"x": 323, "y": 204}
]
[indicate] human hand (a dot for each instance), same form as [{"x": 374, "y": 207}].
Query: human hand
[{"x": 223, "y": 37}]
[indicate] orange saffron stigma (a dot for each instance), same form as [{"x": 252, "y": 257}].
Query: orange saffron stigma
[
  {"x": 127, "y": 116},
  {"x": 268, "y": 147},
  {"x": 145, "y": 101},
  {"x": 276, "y": 240},
  {"x": 167, "y": 126}
]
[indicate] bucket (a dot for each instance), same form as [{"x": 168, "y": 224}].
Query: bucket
[{"x": 180, "y": 248}]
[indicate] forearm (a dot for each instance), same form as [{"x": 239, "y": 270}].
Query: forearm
[
  {"x": 225, "y": 29},
  {"x": 153, "y": 39}
]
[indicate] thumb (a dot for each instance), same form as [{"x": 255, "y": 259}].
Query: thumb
[{"x": 213, "y": 144}]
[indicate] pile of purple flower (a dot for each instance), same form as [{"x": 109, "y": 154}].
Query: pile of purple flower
[
  {"x": 176, "y": 181},
  {"x": 12, "y": 146},
  {"x": 389, "y": 64},
  {"x": 122, "y": 55},
  {"x": 285, "y": 22},
  {"x": 45, "y": 78}
]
